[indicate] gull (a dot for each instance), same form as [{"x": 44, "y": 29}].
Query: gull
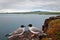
[
  {"x": 35, "y": 30},
  {"x": 18, "y": 32}
]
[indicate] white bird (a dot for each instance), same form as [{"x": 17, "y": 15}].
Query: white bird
[
  {"x": 35, "y": 30},
  {"x": 18, "y": 32}
]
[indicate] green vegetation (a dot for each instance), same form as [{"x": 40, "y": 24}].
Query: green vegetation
[{"x": 37, "y": 12}]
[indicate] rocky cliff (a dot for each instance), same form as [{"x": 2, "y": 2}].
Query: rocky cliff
[
  {"x": 47, "y": 21},
  {"x": 52, "y": 27}
]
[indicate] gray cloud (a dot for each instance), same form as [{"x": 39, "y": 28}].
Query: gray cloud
[{"x": 30, "y": 4}]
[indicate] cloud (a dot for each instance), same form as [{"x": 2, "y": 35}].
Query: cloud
[{"x": 30, "y": 4}]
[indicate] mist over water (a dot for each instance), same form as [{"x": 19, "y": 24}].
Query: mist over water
[{"x": 10, "y": 22}]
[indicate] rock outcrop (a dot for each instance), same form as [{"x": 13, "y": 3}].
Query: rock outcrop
[
  {"x": 52, "y": 27},
  {"x": 45, "y": 25},
  {"x": 27, "y": 36}
]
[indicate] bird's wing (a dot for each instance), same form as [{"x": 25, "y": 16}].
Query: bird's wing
[
  {"x": 35, "y": 29},
  {"x": 18, "y": 31}
]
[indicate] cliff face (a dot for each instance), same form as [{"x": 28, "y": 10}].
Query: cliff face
[
  {"x": 47, "y": 21},
  {"x": 52, "y": 27}
]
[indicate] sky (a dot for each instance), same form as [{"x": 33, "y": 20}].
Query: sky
[{"x": 29, "y": 5}]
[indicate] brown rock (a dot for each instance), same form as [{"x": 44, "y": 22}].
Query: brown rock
[
  {"x": 52, "y": 27},
  {"x": 45, "y": 25}
]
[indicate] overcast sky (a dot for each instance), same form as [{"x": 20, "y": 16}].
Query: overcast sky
[{"x": 53, "y": 5}]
